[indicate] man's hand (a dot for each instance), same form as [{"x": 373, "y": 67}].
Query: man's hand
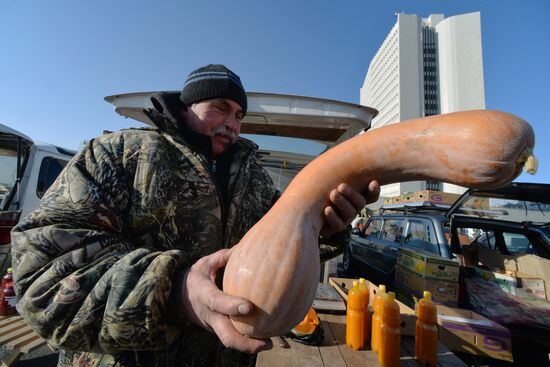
[
  {"x": 346, "y": 203},
  {"x": 207, "y": 306}
]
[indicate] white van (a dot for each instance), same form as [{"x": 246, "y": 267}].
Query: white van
[{"x": 27, "y": 169}]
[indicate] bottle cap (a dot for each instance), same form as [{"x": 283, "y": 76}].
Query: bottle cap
[
  {"x": 382, "y": 287},
  {"x": 355, "y": 283},
  {"x": 362, "y": 280},
  {"x": 10, "y": 270},
  {"x": 427, "y": 294},
  {"x": 391, "y": 297}
]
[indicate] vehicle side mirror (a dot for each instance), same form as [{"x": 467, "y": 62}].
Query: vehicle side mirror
[{"x": 356, "y": 231}]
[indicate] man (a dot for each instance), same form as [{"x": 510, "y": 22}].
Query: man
[{"x": 118, "y": 263}]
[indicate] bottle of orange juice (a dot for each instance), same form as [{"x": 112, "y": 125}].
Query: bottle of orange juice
[
  {"x": 363, "y": 286},
  {"x": 390, "y": 333},
  {"x": 426, "y": 331},
  {"x": 377, "y": 304},
  {"x": 355, "y": 317}
]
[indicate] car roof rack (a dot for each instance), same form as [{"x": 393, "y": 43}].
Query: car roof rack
[{"x": 420, "y": 206}]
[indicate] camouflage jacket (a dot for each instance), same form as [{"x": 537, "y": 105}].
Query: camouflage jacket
[{"x": 98, "y": 263}]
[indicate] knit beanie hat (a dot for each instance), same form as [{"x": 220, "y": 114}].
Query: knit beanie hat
[{"x": 211, "y": 82}]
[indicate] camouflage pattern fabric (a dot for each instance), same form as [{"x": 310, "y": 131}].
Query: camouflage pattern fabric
[{"x": 96, "y": 264}]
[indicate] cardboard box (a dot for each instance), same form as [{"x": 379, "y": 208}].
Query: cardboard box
[
  {"x": 533, "y": 265},
  {"x": 514, "y": 282},
  {"x": 412, "y": 285},
  {"x": 468, "y": 332},
  {"x": 437, "y": 197},
  {"x": 428, "y": 265}
]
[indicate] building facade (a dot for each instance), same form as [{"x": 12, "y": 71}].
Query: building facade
[{"x": 425, "y": 66}]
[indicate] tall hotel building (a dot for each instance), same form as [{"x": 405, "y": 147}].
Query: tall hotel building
[{"x": 425, "y": 67}]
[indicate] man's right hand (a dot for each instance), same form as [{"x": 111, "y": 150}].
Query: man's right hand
[{"x": 207, "y": 306}]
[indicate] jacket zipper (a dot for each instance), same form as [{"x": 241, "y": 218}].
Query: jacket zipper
[
  {"x": 212, "y": 171},
  {"x": 248, "y": 156}
]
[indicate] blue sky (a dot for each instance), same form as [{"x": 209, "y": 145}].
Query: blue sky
[{"x": 60, "y": 58}]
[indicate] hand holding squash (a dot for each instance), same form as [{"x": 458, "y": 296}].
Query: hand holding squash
[
  {"x": 345, "y": 204},
  {"x": 205, "y": 305}
]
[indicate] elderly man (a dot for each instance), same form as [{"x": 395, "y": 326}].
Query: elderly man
[{"x": 118, "y": 264}]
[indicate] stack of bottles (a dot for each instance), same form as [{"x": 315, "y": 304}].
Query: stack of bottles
[
  {"x": 385, "y": 328},
  {"x": 426, "y": 331},
  {"x": 7, "y": 295}
]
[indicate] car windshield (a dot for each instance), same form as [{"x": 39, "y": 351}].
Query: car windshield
[
  {"x": 506, "y": 209},
  {"x": 8, "y": 172}
]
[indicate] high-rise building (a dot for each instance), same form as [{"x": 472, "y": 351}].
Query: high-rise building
[{"x": 425, "y": 67}]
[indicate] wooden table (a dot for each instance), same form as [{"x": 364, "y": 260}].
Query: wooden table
[
  {"x": 335, "y": 353},
  {"x": 19, "y": 336}
]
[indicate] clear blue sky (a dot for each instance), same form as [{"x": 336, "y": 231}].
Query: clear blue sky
[{"x": 60, "y": 58}]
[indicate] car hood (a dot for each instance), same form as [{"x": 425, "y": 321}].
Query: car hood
[
  {"x": 281, "y": 125},
  {"x": 518, "y": 202},
  {"x": 325, "y": 121}
]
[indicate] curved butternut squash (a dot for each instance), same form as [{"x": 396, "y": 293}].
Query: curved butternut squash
[{"x": 276, "y": 264}]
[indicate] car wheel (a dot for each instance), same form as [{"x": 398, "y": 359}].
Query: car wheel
[{"x": 347, "y": 262}]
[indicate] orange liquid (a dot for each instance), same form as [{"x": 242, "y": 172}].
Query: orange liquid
[
  {"x": 390, "y": 333},
  {"x": 426, "y": 344},
  {"x": 390, "y": 346},
  {"x": 377, "y": 320},
  {"x": 354, "y": 329},
  {"x": 426, "y": 333},
  {"x": 366, "y": 295},
  {"x": 355, "y": 319},
  {"x": 375, "y": 336}
]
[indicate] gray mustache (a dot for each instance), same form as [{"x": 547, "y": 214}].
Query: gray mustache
[{"x": 225, "y": 131}]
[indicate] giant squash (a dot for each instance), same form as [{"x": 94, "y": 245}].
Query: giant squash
[{"x": 276, "y": 264}]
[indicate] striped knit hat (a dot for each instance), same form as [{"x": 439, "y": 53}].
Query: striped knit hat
[{"x": 211, "y": 82}]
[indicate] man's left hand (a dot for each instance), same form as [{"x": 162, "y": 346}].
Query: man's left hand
[{"x": 346, "y": 203}]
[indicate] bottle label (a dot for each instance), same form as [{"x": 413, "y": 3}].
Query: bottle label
[{"x": 10, "y": 301}]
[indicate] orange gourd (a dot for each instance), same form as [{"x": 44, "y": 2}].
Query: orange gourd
[{"x": 276, "y": 264}]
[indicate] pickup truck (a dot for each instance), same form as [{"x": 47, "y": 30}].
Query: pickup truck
[{"x": 27, "y": 170}]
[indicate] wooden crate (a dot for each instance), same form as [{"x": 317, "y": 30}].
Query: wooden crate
[{"x": 18, "y": 336}]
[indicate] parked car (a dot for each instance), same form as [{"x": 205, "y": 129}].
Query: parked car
[
  {"x": 27, "y": 169},
  {"x": 372, "y": 252},
  {"x": 512, "y": 220}
]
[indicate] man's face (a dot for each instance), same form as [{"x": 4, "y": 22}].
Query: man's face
[{"x": 218, "y": 118}]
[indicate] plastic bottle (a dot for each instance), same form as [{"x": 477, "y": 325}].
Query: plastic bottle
[
  {"x": 7, "y": 295},
  {"x": 390, "y": 333},
  {"x": 377, "y": 304},
  {"x": 355, "y": 317},
  {"x": 426, "y": 331},
  {"x": 363, "y": 286}
]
